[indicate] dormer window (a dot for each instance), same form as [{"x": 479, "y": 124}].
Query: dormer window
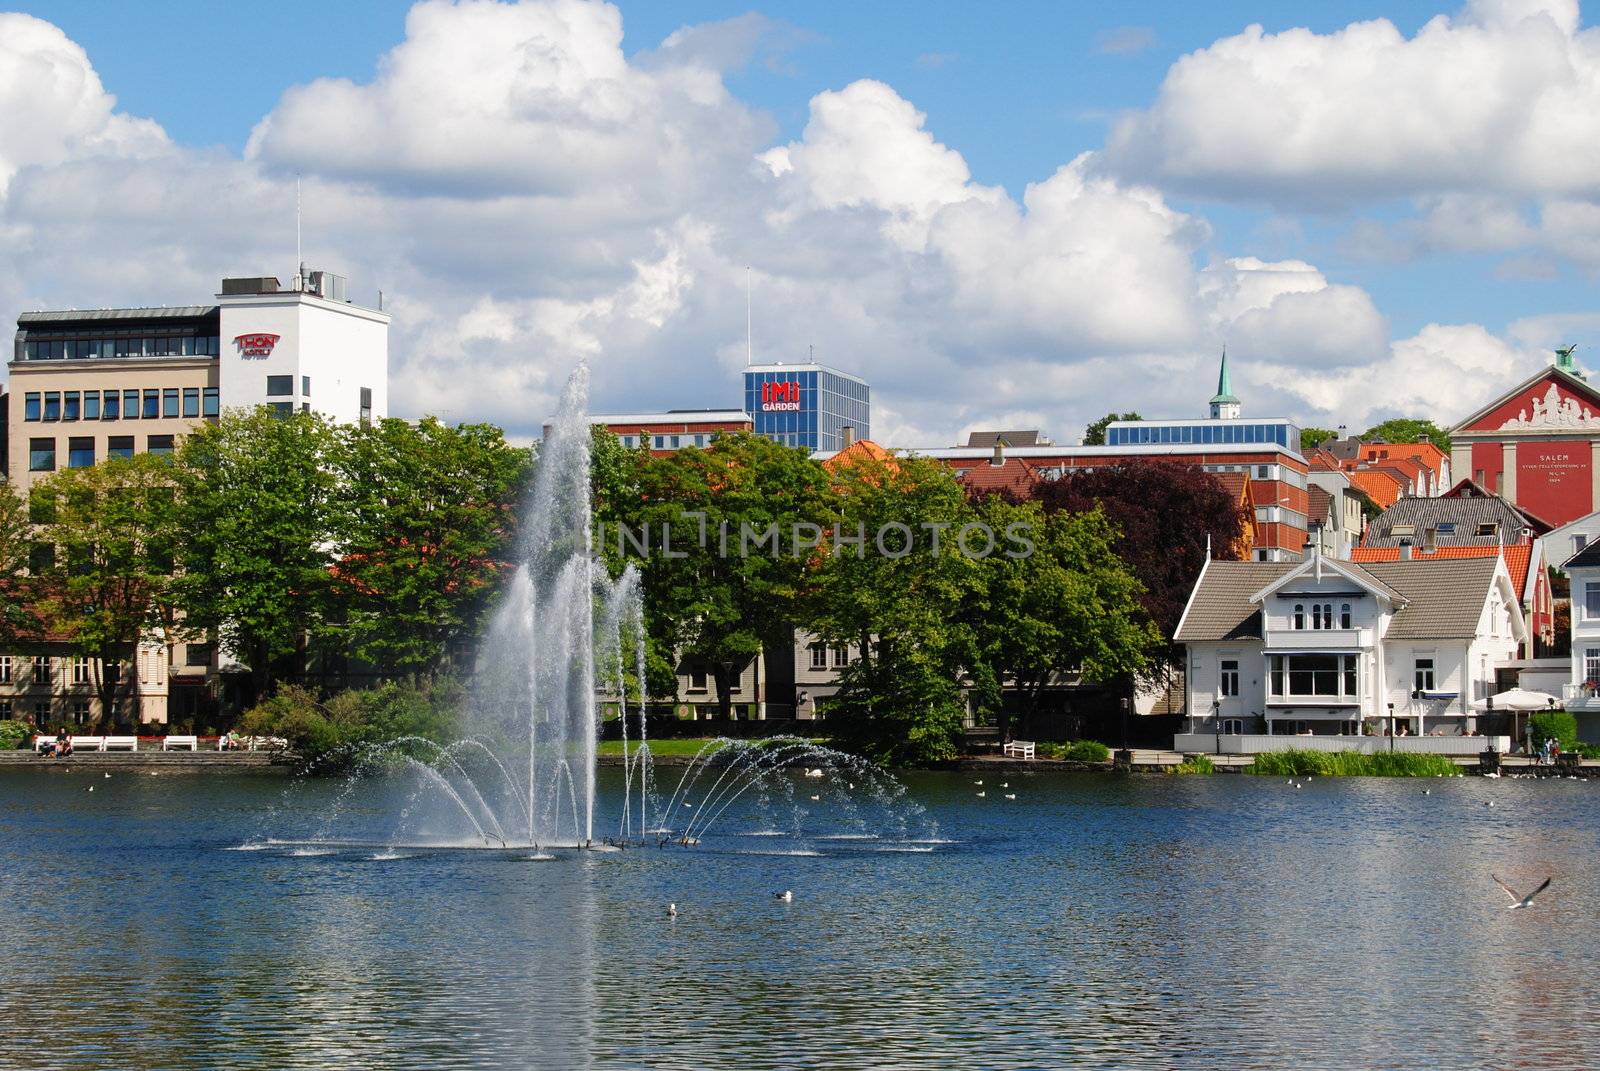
[
  {"x": 1402, "y": 530},
  {"x": 1489, "y": 528}
]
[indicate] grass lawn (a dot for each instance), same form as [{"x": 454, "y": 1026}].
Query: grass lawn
[{"x": 686, "y": 747}]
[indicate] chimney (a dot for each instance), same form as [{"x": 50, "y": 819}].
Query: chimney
[
  {"x": 999, "y": 457},
  {"x": 847, "y": 436},
  {"x": 1430, "y": 539},
  {"x": 1405, "y": 550}
]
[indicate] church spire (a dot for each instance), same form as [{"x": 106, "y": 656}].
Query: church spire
[{"x": 1224, "y": 406}]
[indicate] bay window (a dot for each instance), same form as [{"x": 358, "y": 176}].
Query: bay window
[{"x": 1313, "y": 676}]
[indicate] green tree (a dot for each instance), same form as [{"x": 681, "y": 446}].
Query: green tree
[
  {"x": 1062, "y": 605},
  {"x": 255, "y": 506},
  {"x": 721, "y": 582},
  {"x": 1311, "y": 438},
  {"x": 1409, "y": 430},
  {"x": 424, "y": 515},
  {"x": 900, "y": 700},
  {"x": 17, "y": 617},
  {"x": 109, "y": 586},
  {"x": 1095, "y": 434}
]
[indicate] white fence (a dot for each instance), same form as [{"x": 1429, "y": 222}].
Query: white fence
[{"x": 1236, "y": 744}]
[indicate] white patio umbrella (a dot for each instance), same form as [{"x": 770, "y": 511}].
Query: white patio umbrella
[{"x": 1520, "y": 700}]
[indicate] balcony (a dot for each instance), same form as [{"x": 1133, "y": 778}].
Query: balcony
[
  {"x": 1580, "y": 697},
  {"x": 1317, "y": 639}
]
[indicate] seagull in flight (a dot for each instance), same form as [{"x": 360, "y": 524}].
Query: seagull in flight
[{"x": 1517, "y": 899}]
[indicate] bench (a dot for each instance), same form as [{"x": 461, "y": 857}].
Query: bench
[
  {"x": 183, "y": 743},
  {"x": 267, "y": 743},
  {"x": 1021, "y": 749},
  {"x": 120, "y": 743},
  {"x": 40, "y": 742},
  {"x": 88, "y": 743}
]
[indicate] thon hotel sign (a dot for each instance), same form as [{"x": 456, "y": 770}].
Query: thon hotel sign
[
  {"x": 255, "y": 345},
  {"x": 780, "y": 397}
]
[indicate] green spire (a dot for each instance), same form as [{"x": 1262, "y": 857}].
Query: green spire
[{"x": 1224, "y": 393}]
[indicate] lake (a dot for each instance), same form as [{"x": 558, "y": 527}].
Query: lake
[{"x": 1094, "y": 921}]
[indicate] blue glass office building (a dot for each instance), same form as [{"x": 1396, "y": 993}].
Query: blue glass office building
[
  {"x": 1204, "y": 432},
  {"x": 807, "y": 405}
]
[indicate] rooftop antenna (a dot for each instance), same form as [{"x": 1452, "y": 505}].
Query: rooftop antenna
[
  {"x": 299, "y": 258},
  {"x": 749, "y": 344}
]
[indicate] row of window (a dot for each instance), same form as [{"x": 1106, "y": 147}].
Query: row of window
[
  {"x": 1322, "y": 615},
  {"x": 150, "y": 403},
  {"x": 40, "y": 669},
  {"x": 42, "y": 715},
  {"x": 1220, "y": 433},
  {"x": 1322, "y": 676},
  {"x": 819, "y": 656},
  {"x": 669, "y": 442},
  {"x": 81, "y": 450},
  {"x": 123, "y": 344}
]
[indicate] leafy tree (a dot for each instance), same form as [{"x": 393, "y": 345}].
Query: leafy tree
[
  {"x": 727, "y": 585},
  {"x": 17, "y": 617},
  {"x": 1062, "y": 604},
  {"x": 899, "y": 701},
  {"x": 109, "y": 585},
  {"x": 256, "y": 509},
  {"x": 1095, "y": 434},
  {"x": 1311, "y": 438},
  {"x": 1409, "y": 430},
  {"x": 1164, "y": 513},
  {"x": 424, "y": 514}
]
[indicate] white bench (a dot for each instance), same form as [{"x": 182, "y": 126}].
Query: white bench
[
  {"x": 88, "y": 743},
  {"x": 180, "y": 743},
  {"x": 41, "y": 741},
  {"x": 1022, "y": 749},
  {"x": 267, "y": 743},
  {"x": 120, "y": 743}
]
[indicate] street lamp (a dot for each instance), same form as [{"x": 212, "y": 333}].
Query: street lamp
[
  {"x": 1126, "y": 703},
  {"x": 1216, "y": 719},
  {"x": 1391, "y": 726}
]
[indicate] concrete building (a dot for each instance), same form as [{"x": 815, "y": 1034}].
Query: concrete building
[
  {"x": 808, "y": 405},
  {"x": 662, "y": 433},
  {"x": 1581, "y": 695}
]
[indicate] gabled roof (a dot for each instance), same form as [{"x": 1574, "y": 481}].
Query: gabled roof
[
  {"x": 1518, "y": 558},
  {"x": 1589, "y": 555},
  {"x": 1319, "y": 504},
  {"x": 1014, "y": 474},
  {"x": 1444, "y": 597},
  {"x": 986, "y": 439},
  {"x": 1220, "y": 608},
  {"x": 1353, "y": 573},
  {"x": 1566, "y": 379},
  {"x": 860, "y": 450},
  {"x": 1464, "y": 512},
  {"x": 1381, "y": 487}
]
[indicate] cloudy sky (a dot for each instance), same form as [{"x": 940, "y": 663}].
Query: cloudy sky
[{"x": 1025, "y": 214}]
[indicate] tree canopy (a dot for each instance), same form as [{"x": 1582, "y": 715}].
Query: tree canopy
[
  {"x": 1409, "y": 430},
  {"x": 1095, "y": 434}
]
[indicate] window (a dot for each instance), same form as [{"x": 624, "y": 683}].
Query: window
[
  {"x": 5, "y": 710},
  {"x": 1233, "y": 726},
  {"x": 119, "y": 446},
  {"x": 1228, "y": 677},
  {"x": 41, "y": 455},
  {"x": 112, "y": 409},
  {"x": 41, "y": 558},
  {"x": 305, "y": 386},
  {"x": 169, "y": 402},
  {"x": 1424, "y": 674},
  {"x": 80, "y": 671},
  {"x": 80, "y": 711},
  {"x": 841, "y": 657},
  {"x": 5, "y": 669},
  {"x": 1344, "y": 615},
  {"x": 1312, "y": 675},
  {"x": 1447, "y": 528},
  {"x": 130, "y": 404},
  {"x": 71, "y": 405},
  {"x": 1402, "y": 529},
  {"x": 659, "y": 440},
  {"x": 80, "y": 453},
  {"x": 366, "y": 404},
  {"x": 1263, "y": 472},
  {"x": 1299, "y": 615},
  {"x": 197, "y": 654},
  {"x": 52, "y": 405},
  {"x": 697, "y": 680},
  {"x": 279, "y": 386},
  {"x": 151, "y": 410},
  {"x": 113, "y": 671},
  {"x": 41, "y": 669},
  {"x": 1579, "y": 541},
  {"x": 41, "y": 712},
  {"x": 1488, "y": 528},
  {"x": 819, "y": 656},
  {"x": 1591, "y": 598},
  {"x": 160, "y": 445},
  {"x": 91, "y": 405},
  {"x": 31, "y": 408},
  {"x": 191, "y": 401},
  {"x": 1591, "y": 666},
  {"x": 1350, "y": 675},
  {"x": 211, "y": 402},
  {"x": 282, "y": 410}
]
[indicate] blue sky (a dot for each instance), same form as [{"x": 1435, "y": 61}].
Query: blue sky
[{"x": 1017, "y": 90}]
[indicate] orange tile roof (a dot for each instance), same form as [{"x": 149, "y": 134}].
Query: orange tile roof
[
  {"x": 1014, "y": 474},
  {"x": 1518, "y": 557},
  {"x": 1378, "y": 485},
  {"x": 860, "y": 450}
]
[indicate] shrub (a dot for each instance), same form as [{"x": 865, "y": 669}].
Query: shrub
[
  {"x": 13, "y": 734},
  {"x": 1557, "y": 725},
  {"x": 1297, "y": 763},
  {"x": 1194, "y": 764},
  {"x": 316, "y": 729},
  {"x": 1086, "y": 751}
]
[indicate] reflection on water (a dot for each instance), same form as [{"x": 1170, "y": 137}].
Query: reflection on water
[{"x": 1184, "y": 922}]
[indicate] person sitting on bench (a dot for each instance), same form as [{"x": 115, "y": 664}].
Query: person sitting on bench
[{"x": 63, "y": 745}]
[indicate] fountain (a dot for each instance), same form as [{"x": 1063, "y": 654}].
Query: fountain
[{"x": 523, "y": 776}]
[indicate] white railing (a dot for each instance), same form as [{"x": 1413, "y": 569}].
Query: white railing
[
  {"x": 1254, "y": 744},
  {"x": 1306, "y": 639}
]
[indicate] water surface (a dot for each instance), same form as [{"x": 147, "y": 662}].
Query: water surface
[{"x": 1223, "y": 922}]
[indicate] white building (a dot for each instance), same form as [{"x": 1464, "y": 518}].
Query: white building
[
  {"x": 1559, "y": 544},
  {"x": 1583, "y": 693},
  {"x": 1332, "y": 648},
  {"x": 303, "y": 348}
]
